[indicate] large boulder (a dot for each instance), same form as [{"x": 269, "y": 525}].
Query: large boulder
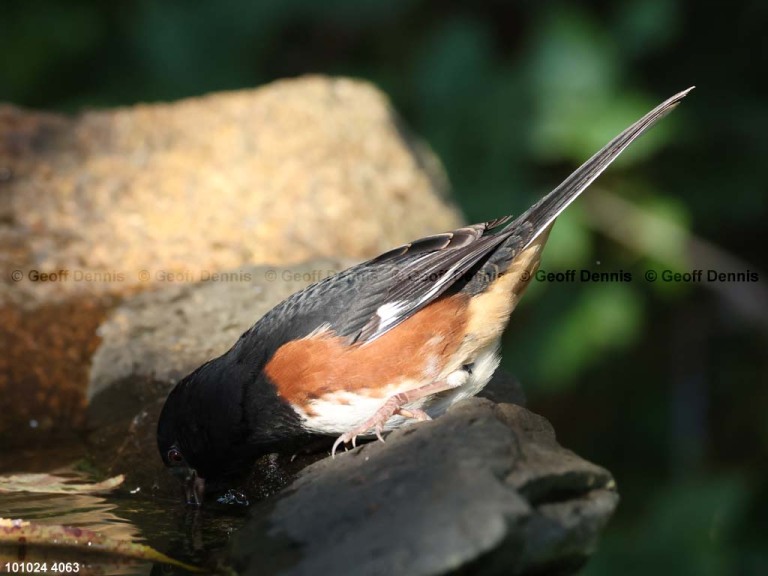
[
  {"x": 484, "y": 489},
  {"x": 104, "y": 204}
]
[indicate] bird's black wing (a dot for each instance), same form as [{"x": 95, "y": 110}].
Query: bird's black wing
[
  {"x": 368, "y": 300},
  {"x": 416, "y": 274},
  {"x": 358, "y": 302}
]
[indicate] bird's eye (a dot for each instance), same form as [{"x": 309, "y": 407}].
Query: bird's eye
[{"x": 174, "y": 456}]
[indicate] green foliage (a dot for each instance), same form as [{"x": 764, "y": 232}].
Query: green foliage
[
  {"x": 689, "y": 528},
  {"x": 570, "y": 242},
  {"x": 602, "y": 318}
]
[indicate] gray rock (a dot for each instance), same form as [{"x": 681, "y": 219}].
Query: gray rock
[
  {"x": 504, "y": 389},
  {"x": 485, "y": 487}
]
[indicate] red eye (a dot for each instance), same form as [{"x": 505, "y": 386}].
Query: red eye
[{"x": 175, "y": 456}]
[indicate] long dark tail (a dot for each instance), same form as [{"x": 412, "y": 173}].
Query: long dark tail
[
  {"x": 426, "y": 268},
  {"x": 539, "y": 216}
]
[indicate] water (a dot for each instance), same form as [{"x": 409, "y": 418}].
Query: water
[{"x": 197, "y": 537}]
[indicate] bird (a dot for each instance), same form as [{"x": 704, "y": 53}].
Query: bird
[{"x": 393, "y": 340}]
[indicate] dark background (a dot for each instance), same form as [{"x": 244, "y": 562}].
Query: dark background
[{"x": 665, "y": 384}]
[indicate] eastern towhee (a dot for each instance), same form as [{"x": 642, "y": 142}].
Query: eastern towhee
[{"x": 398, "y": 338}]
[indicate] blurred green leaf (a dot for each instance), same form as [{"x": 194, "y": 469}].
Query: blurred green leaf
[
  {"x": 603, "y": 317},
  {"x": 665, "y": 236},
  {"x": 687, "y": 529},
  {"x": 570, "y": 242},
  {"x": 453, "y": 68},
  {"x": 575, "y": 75},
  {"x": 645, "y": 26}
]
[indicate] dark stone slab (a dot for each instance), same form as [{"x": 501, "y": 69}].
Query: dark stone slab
[{"x": 486, "y": 486}]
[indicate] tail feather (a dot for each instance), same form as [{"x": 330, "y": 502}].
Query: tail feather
[
  {"x": 544, "y": 212},
  {"x": 421, "y": 271}
]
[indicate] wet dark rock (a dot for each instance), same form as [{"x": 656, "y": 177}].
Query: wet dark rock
[
  {"x": 485, "y": 487},
  {"x": 504, "y": 389}
]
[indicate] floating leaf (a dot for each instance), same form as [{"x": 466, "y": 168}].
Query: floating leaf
[{"x": 50, "y": 484}]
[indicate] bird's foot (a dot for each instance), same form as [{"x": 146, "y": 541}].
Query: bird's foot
[
  {"x": 376, "y": 422},
  {"x": 395, "y": 405}
]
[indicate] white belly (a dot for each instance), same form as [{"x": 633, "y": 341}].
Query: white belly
[{"x": 342, "y": 411}]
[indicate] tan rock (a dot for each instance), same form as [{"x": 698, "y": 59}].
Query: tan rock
[{"x": 107, "y": 203}]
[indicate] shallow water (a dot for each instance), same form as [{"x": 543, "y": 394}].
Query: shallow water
[{"x": 194, "y": 536}]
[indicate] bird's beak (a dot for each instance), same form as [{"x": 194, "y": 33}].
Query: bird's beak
[{"x": 194, "y": 487}]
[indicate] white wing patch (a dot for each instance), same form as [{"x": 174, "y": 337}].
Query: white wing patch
[
  {"x": 389, "y": 314},
  {"x": 389, "y": 311}
]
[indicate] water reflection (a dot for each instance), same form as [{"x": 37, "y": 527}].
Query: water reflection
[
  {"x": 83, "y": 511},
  {"x": 188, "y": 535}
]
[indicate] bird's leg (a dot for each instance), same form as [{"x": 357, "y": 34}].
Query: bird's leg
[{"x": 395, "y": 405}]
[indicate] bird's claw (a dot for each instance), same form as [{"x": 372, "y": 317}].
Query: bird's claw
[
  {"x": 343, "y": 439},
  {"x": 376, "y": 423},
  {"x": 351, "y": 438}
]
